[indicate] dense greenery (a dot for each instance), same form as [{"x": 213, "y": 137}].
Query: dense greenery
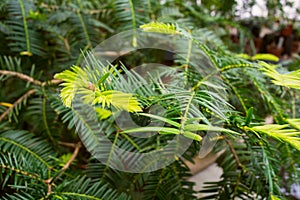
[{"x": 42, "y": 156}]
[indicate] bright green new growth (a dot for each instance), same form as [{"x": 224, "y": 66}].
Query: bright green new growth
[
  {"x": 291, "y": 80},
  {"x": 254, "y": 165},
  {"x": 120, "y": 100},
  {"x": 294, "y": 122},
  {"x": 260, "y": 56},
  {"x": 265, "y": 56},
  {"x": 158, "y": 27},
  {"x": 76, "y": 81},
  {"x": 280, "y": 132}
]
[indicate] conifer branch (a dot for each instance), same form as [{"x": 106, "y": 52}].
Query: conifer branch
[
  {"x": 17, "y": 102},
  {"x": 51, "y": 180}
]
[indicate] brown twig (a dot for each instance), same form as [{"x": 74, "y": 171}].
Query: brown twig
[
  {"x": 51, "y": 82},
  {"x": 67, "y": 144},
  {"x": 30, "y": 92},
  {"x": 51, "y": 180},
  {"x": 236, "y": 157},
  {"x": 28, "y": 78},
  {"x": 21, "y": 76},
  {"x": 18, "y": 101},
  {"x": 34, "y": 176},
  {"x": 112, "y": 53},
  {"x": 74, "y": 155}
]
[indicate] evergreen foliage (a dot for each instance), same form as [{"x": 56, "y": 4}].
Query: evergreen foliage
[{"x": 42, "y": 156}]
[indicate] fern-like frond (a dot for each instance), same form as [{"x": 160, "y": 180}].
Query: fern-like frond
[
  {"x": 259, "y": 82},
  {"x": 291, "y": 80},
  {"x": 240, "y": 175},
  {"x": 20, "y": 195},
  {"x": 152, "y": 185},
  {"x": 281, "y": 133},
  {"x": 13, "y": 110},
  {"x": 120, "y": 100},
  {"x": 210, "y": 38},
  {"x": 26, "y": 145},
  {"x": 158, "y": 27},
  {"x": 130, "y": 15},
  {"x": 10, "y": 63},
  {"x": 159, "y": 181},
  {"x": 64, "y": 112},
  {"x": 25, "y": 39},
  {"x": 294, "y": 122},
  {"x": 259, "y": 56},
  {"x": 83, "y": 188},
  {"x": 26, "y": 171},
  {"x": 39, "y": 110},
  {"x": 74, "y": 79},
  {"x": 77, "y": 82}
]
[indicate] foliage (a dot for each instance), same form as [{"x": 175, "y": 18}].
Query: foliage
[{"x": 42, "y": 156}]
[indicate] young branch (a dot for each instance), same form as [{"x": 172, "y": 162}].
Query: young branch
[
  {"x": 67, "y": 144},
  {"x": 18, "y": 101},
  {"x": 236, "y": 157},
  {"x": 74, "y": 155},
  {"x": 51, "y": 180},
  {"x": 28, "y": 78},
  {"x": 20, "y": 76},
  {"x": 51, "y": 82},
  {"x": 34, "y": 176}
]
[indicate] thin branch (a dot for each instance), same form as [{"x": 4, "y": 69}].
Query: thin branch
[
  {"x": 112, "y": 53},
  {"x": 34, "y": 176},
  {"x": 74, "y": 155},
  {"x": 21, "y": 76},
  {"x": 30, "y": 92},
  {"x": 67, "y": 144},
  {"x": 29, "y": 79},
  {"x": 236, "y": 157},
  {"x": 228, "y": 67},
  {"x": 51, "y": 180},
  {"x": 235, "y": 90},
  {"x": 51, "y": 82},
  {"x": 44, "y": 116},
  {"x": 18, "y": 101}
]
